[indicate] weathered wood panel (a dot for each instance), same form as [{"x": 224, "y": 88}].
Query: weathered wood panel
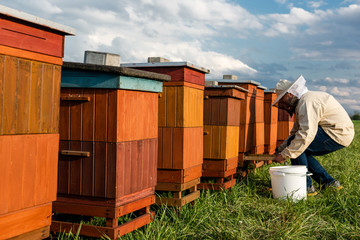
[
  {"x": 181, "y": 106},
  {"x": 108, "y": 115},
  {"x": 180, "y": 148},
  {"x": 112, "y": 170},
  {"x": 221, "y": 142},
  {"x": 29, "y": 96},
  {"x": 28, "y": 172},
  {"x": 31, "y": 38}
]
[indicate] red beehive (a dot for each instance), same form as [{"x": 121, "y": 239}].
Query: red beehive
[
  {"x": 271, "y": 122},
  {"x": 108, "y": 146},
  {"x": 180, "y": 128},
  {"x": 221, "y": 135},
  {"x": 31, "y": 52},
  {"x": 285, "y": 124}
]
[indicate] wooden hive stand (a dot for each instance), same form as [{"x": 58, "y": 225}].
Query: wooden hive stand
[{"x": 139, "y": 210}]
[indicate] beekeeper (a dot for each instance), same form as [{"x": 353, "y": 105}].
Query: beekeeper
[{"x": 321, "y": 126}]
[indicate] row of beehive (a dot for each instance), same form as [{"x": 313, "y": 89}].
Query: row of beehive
[{"x": 111, "y": 136}]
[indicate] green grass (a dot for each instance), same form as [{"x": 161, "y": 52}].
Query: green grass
[{"x": 248, "y": 211}]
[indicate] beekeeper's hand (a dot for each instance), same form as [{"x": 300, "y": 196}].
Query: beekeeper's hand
[{"x": 279, "y": 159}]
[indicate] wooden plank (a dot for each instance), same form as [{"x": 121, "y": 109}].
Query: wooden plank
[
  {"x": 179, "y": 202},
  {"x": 12, "y": 225},
  {"x": 63, "y": 169},
  {"x": 76, "y": 118},
  {"x": 96, "y": 231},
  {"x": 165, "y": 186},
  {"x": 162, "y": 108},
  {"x": 100, "y": 158},
  {"x": 64, "y": 116},
  {"x": 112, "y": 116},
  {"x": 10, "y": 92},
  {"x": 193, "y": 147},
  {"x": 172, "y": 106},
  {"x": 101, "y": 114},
  {"x": 75, "y": 153},
  {"x": 23, "y": 95},
  {"x": 193, "y": 108},
  {"x": 75, "y": 169},
  {"x": 5, "y": 164},
  {"x": 2, "y": 81},
  {"x": 30, "y": 55},
  {"x": 35, "y": 96},
  {"x": 29, "y": 189},
  {"x": 56, "y": 100},
  {"x": 88, "y": 113},
  {"x": 40, "y": 233},
  {"x": 31, "y": 38},
  {"x": 16, "y": 167},
  {"x": 111, "y": 183},
  {"x": 87, "y": 181},
  {"x": 46, "y": 98}
]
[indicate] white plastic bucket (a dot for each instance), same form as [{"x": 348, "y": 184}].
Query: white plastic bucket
[{"x": 288, "y": 182}]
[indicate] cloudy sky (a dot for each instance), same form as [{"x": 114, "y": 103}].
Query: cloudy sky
[{"x": 261, "y": 40}]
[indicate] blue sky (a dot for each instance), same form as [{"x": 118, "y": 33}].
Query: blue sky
[{"x": 261, "y": 40}]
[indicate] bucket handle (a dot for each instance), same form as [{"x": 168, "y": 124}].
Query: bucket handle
[{"x": 283, "y": 174}]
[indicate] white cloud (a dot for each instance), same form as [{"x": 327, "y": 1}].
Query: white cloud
[
  {"x": 337, "y": 80},
  {"x": 316, "y": 4},
  {"x": 338, "y": 92}
]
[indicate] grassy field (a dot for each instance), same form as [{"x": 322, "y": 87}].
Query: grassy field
[{"x": 250, "y": 212}]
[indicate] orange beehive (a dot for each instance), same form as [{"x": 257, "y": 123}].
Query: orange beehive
[
  {"x": 251, "y": 137},
  {"x": 31, "y": 52},
  {"x": 271, "y": 122},
  {"x": 221, "y": 135},
  {"x": 285, "y": 124},
  {"x": 180, "y": 128},
  {"x": 108, "y": 146}
]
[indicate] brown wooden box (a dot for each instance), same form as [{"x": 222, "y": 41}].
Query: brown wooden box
[
  {"x": 219, "y": 167},
  {"x": 222, "y": 105},
  {"x": 181, "y": 106},
  {"x": 221, "y": 142},
  {"x": 180, "y": 148},
  {"x": 107, "y": 115},
  {"x": 112, "y": 171}
]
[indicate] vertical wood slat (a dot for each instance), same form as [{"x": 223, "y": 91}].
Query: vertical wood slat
[
  {"x": 181, "y": 147},
  {"x": 2, "y": 71},
  {"x": 23, "y": 95},
  {"x": 28, "y": 172},
  {"x": 10, "y": 82},
  {"x": 28, "y": 90}
]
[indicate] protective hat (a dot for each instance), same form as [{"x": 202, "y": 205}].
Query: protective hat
[{"x": 297, "y": 88}]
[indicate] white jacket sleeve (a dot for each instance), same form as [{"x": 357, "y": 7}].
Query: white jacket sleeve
[{"x": 308, "y": 115}]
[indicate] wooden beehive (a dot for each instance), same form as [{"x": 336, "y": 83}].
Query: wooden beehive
[
  {"x": 180, "y": 128},
  {"x": 31, "y": 52},
  {"x": 285, "y": 124},
  {"x": 271, "y": 122},
  {"x": 248, "y": 135},
  {"x": 221, "y": 135},
  {"x": 108, "y": 144}
]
